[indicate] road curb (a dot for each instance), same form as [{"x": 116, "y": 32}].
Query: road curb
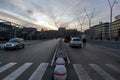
[{"x": 53, "y": 59}]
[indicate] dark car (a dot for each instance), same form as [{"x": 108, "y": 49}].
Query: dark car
[
  {"x": 14, "y": 43},
  {"x": 67, "y": 39}
]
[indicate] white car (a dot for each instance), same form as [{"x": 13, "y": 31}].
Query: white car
[{"x": 76, "y": 42}]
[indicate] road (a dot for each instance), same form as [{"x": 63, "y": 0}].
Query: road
[
  {"x": 94, "y": 62},
  {"x": 27, "y": 60},
  {"x": 91, "y": 62}
]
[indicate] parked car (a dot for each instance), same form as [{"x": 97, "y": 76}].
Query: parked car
[
  {"x": 76, "y": 42},
  {"x": 14, "y": 43},
  {"x": 67, "y": 39}
]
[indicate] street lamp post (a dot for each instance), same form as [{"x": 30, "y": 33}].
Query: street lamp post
[
  {"x": 89, "y": 16},
  {"x": 111, "y": 12}
]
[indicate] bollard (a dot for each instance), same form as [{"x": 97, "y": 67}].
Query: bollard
[
  {"x": 60, "y": 61},
  {"x": 60, "y": 72},
  {"x": 59, "y": 54}
]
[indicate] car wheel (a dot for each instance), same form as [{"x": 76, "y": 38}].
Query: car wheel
[
  {"x": 71, "y": 46},
  {"x": 6, "y": 49},
  {"x": 23, "y": 46},
  {"x": 80, "y": 46},
  {"x": 17, "y": 47}
]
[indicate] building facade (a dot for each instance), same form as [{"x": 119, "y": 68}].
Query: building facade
[
  {"x": 99, "y": 31},
  {"x": 116, "y": 29}
]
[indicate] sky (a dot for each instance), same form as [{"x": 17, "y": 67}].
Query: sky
[{"x": 52, "y": 14}]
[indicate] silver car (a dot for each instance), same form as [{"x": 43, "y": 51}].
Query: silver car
[
  {"x": 14, "y": 43},
  {"x": 76, "y": 42}
]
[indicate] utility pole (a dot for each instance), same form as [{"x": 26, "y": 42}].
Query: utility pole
[
  {"x": 89, "y": 16},
  {"x": 111, "y": 13}
]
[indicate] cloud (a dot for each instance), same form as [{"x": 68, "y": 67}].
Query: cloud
[
  {"x": 47, "y": 12},
  {"x": 23, "y": 22}
]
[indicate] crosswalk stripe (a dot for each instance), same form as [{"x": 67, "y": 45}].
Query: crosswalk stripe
[
  {"x": 113, "y": 67},
  {"x": 104, "y": 74},
  {"x": 39, "y": 72},
  {"x": 82, "y": 74},
  {"x": 18, "y": 72},
  {"x": 5, "y": 67}
]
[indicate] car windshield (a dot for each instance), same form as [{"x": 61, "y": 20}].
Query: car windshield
[
  {"x": 76, "y": 39},
  {"x": 13, "y": 40}
]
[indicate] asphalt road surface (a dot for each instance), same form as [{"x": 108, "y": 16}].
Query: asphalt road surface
[
  {"x": 21, "y": 64},
  {"x": 94, "y": 62},
  {"x": 91, "y": 62}
]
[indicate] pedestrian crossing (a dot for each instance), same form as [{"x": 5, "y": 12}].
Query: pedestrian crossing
[
  {"x": 7, "y": 66},
  {"x": 100, "y": 71},
  {"x": 113, "y": 67},
  {"x": 41, "y": 68},
  {"x": 18, "y": 72},
  {"x": 37, "y": 75},
  {"x": 39, "y": 72},
  {"x": 83, "y": 75}
]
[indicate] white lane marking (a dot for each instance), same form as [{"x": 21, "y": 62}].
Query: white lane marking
[
  {"x": 82, "y": 74},
  {"x": 18, "y": 72},
  {"x": 113, "y": 67},
  {"x": 7, "y": 66},
  {"x": 104, "y": 74},
  {"x": 39, "y": 72},
  {"x": 54, "y": 55}
]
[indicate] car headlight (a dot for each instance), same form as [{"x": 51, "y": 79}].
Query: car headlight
[
  {"x": 4, "y": 44},
  {"x": 13, "y": 44}
]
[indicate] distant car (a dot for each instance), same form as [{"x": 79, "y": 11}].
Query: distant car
[
  {"x": 14, "y": 43},
  {"x": 67, "y": 39},
  {"x": 76, "y": 42}
]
